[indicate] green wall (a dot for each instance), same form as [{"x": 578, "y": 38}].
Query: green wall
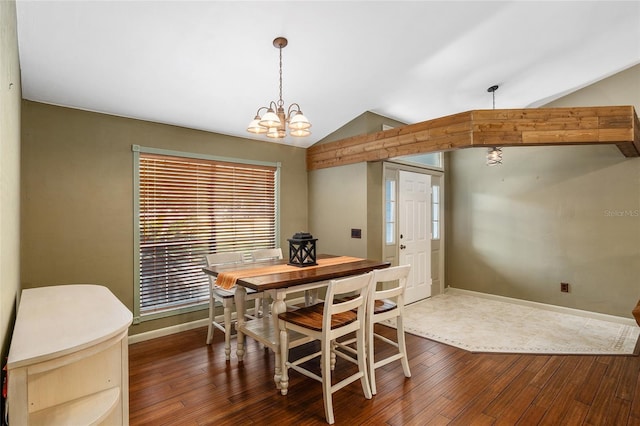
[
  {"x": 77, "y": 194},
  {"x": 375, "y": 210},
  {"x": 338, "y": 203},
  {"x": 550, "y": 215},
  {"x": 347, "y": 197},
  {"x": 10, "y": 95}
]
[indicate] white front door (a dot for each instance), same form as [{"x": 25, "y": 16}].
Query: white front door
[{"x": 415, "y": 232}]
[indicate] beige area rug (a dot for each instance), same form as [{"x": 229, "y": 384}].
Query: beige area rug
[{"x": 481, "y": 324}]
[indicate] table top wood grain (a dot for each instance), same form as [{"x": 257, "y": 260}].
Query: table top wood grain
[{"x": 302, "y": 275}]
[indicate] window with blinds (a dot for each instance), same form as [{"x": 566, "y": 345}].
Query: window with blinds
[{"x": 190, "y": 207}]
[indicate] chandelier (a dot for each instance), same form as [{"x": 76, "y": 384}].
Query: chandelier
[
  {"x": 494, "y": 154},
  {"x": 275, "y": 121}
]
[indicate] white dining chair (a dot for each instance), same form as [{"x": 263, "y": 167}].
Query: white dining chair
[
  {"x": 226, "y": 299},
  {"x": 266, "y": 254},
  {"x": 383, "y": 304},
  {"x": 261, "y": 255},
  {"x": 326, "y": 322}
]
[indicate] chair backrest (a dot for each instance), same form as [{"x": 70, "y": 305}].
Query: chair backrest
[
  {"x": 395, "y": 279},
  {"x": 228, "y": 258},
  {"x": 266, "y": 254},
  {"x": 356, "y": 288}
]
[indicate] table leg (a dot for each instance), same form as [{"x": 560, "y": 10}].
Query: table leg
[
  {"x": 278, "y": 307},
  {"x": 240, "y": 296}
]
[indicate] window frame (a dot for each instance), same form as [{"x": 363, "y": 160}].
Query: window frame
[{"x": 137, "y": 151}]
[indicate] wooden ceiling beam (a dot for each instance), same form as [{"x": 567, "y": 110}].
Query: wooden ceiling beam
[{"x": 617, "y": 125}]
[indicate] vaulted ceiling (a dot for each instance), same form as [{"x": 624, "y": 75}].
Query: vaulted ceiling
[{"x": 209, "y": 65}]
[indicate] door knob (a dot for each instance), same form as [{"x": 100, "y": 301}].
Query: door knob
[{"x": 402, "y": 247}]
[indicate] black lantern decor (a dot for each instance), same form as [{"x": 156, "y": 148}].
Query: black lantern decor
[{"x": 302, "y": 249}]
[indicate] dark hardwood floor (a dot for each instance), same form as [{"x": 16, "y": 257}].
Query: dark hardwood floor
[{"x": 178, "y": 380}]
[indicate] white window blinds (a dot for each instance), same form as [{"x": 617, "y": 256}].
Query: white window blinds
[{"x": 191, "y": 207}]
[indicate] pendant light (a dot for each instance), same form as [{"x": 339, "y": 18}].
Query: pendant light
[{"x": 494, "y": 154}]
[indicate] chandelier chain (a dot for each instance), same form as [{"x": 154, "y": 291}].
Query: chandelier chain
[{"x": 280, "y": 101}]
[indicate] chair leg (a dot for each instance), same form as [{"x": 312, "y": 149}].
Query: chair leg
[
  {"x": 256, "y": 312},
  {"x": 227, "y": 329},
  {"x": 362, "y": 362},
  {"x": 284, "y": 357},
  {"x": 333, "y": 355},
  {"x": 265, "y": 306},
  {"x": 310, "y": 297},
  {"x": 325, "y": 371},
  {"x": 265, "y": 310},
  {"x": 212, "y": 313},
  {"x": 371, "y": 369},
  {"x": 402, "y": 347}
]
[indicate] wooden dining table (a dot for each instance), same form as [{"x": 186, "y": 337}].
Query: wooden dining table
[{"x": 277, "y": 279}]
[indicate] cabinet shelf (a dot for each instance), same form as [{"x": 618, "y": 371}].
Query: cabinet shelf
[{"x": 88, "y": 410}]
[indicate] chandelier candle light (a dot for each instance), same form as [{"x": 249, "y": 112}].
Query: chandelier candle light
[
  {"x": 494, "y": 155},
  {"x": 274, "y": 121}
]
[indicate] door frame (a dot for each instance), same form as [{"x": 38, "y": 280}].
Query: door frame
[{"x": 391, "y": 252}]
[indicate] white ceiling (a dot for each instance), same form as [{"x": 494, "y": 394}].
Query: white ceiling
[{"x": 209, "y": 65}]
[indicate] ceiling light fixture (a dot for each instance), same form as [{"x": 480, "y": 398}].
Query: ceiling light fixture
[
  {"x": 494, "y": 155},
  {"x": 274, "y": 121}
]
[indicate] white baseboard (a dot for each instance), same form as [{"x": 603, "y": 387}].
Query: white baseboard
[
  {"x": 141, "y": 337},
  {"x": 554, "y": 308}
]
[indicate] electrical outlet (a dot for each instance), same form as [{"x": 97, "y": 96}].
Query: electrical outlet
[{"x": 564, "y": 287}]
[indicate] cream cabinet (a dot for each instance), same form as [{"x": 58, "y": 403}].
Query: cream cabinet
[{"x": 68, "y": 361}]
